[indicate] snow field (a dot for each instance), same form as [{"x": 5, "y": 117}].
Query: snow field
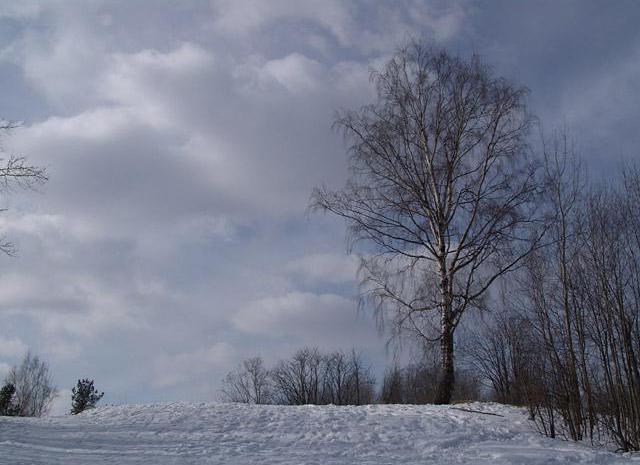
[{"x": 182, "y": 433}]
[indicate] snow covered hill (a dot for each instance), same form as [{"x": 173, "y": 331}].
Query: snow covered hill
[{"x": 238, "y": 434}]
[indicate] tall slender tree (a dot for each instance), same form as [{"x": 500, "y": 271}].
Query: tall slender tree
[{"x": 441, "y": 189}]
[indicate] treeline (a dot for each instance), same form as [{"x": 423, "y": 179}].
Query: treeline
[
  {"x": 308, "y": 377},
  {"x": 568, "y": 341},
  {"x": 339, "y": 378}
]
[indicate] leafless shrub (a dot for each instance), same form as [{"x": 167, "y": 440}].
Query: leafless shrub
[
  {"x": 308, "y": 377},
  {"x": 347, "y": 380},
  {"x": 34, "y": 389},
  {"x": 248, "y": 384},
  {"x": 579, "y": 300},
  {"x": 298, "y": 381},
  {"x": 503, "y": 355},
  {"x": 417, "y": 382}
]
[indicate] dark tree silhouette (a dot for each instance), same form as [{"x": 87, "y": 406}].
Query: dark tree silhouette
[
  {"x": 442, "y": 188},
  {"x": 7, "y": 406},
  {"x": 84, "y": 396}
]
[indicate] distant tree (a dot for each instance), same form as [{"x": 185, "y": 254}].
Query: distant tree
[
  {"x": 363, "y": 380},
  {"x": 346, "y": 379},
  {"x": 299, "y": 380},
  {"x": 84, "y": 396},
  {"x": 34, "y": 389},
  {"x": 504, "y": 354},
  {"x": 7, "y": 407},
  {"x": 249, "y": 384},
  {"x": 442, "y": 188},
  {"x": 392, "y": 386},
  {"x": 417, "y": 381}
]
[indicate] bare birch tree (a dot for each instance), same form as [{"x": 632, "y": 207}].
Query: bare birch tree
[{"x": 442, "y": 189}]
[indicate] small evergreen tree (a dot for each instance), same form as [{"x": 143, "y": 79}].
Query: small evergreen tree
[
  {"x": 84, "y": 396},
  {"x": 7, "y": 393}
]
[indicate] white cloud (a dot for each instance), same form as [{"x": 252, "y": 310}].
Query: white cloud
[
  {"x": 295, "y": 313},
  {"x": 387, "y": 25},
  {"x": 184, "y": 367},
  {"x": 4, "y": 370},
  {"x": 248, "y": 16},
  {"x": 62, "y": 58},
  {"x": 325, "y": 268},
  {"x": 12, "y": 347},
  {"x": 66, "y": 305},
  {"x": 22, "y": 10},
  {"x": 149, "y": 80},
  {"x": 295, "y": 72}
]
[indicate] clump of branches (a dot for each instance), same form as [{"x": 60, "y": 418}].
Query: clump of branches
[
  {"x": 16, "y": 173},
  {"x": 308, "y": 377},
  {"x": 416, "y": 382},
  {"x": 503, "y": 354},
  {"x": 248, "y": 384},
  {"x": 570, "y": 351},
  {"x": 32, "y": 386}
]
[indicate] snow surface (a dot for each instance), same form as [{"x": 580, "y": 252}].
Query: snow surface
[{"x": 183, "y": 433}]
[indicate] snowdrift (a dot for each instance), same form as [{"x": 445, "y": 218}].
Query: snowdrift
[{"x": 183, "y": 433}]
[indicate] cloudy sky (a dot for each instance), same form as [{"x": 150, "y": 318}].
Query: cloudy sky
[{"x": 182, "y": 140}]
